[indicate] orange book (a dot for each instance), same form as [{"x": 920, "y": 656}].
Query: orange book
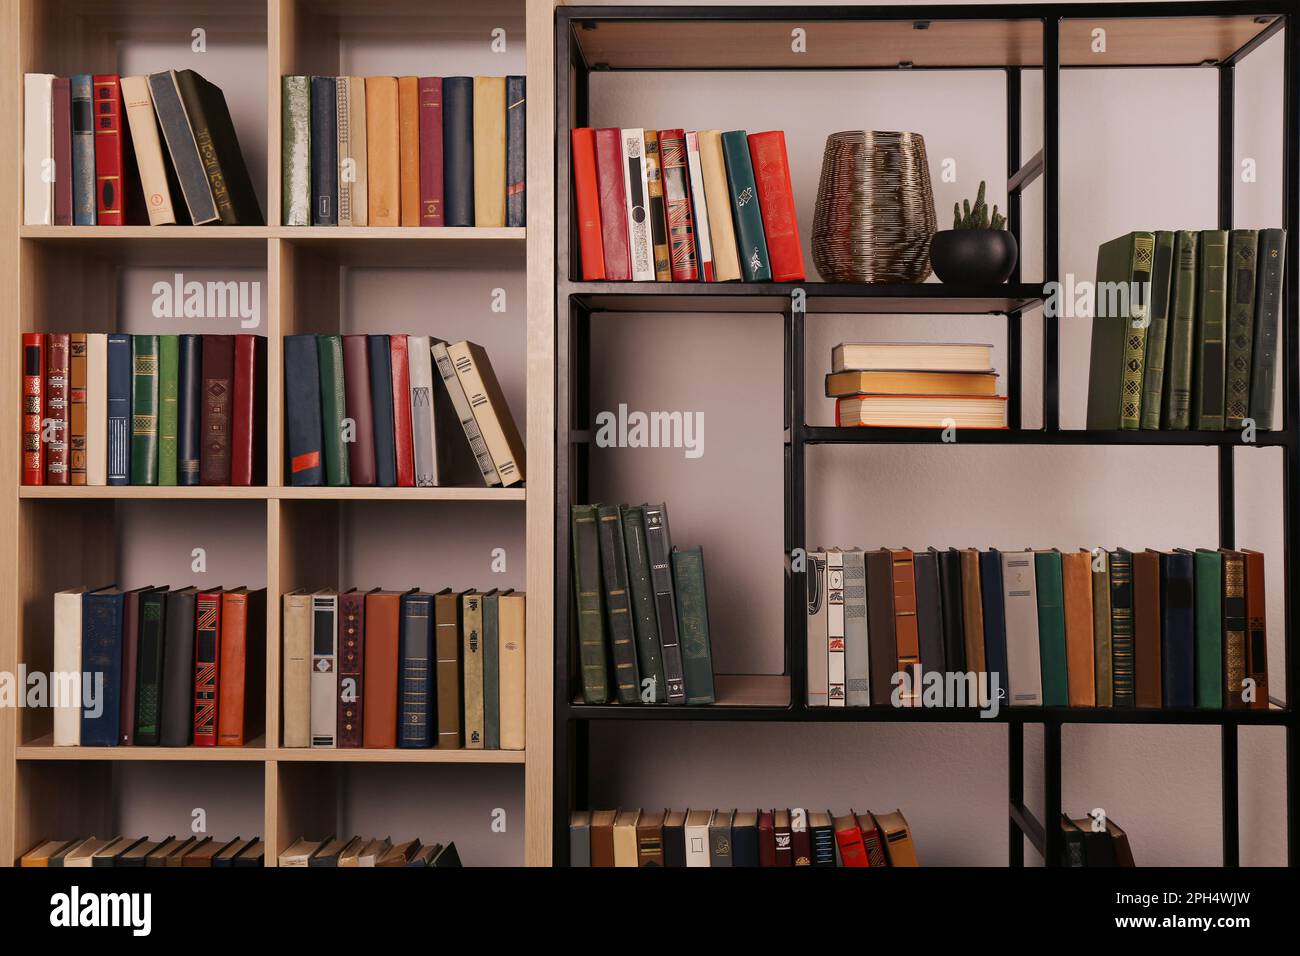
[
  {"x": 379, "y": 695},
  {"x": 383, "y": 167},
  {"x": 1076, "y": 578},
  {"x": 408, "y": 124},
  {"x": 243, "y": 662},
  {"x": 1256, "y": 632}
]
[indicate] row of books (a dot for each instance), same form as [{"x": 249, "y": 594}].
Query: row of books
[
  {"x": 158, "y": 667},
  {"x": 915, "y": 385},
  {"x": 403, "y": 151},
  {"x": 643, "y": 612},
  {"x": 675, "y": 205},
  {"x": 1088, "y": 628},
  {"x": 404, "y": 669},
  {"x": 365, "y": 410},
  {"x": 739, "y": 838},
  {"x": 175, "y": 159},
  {"x": 121, "y": 409},
  {"x": 360, "y": 851},
  {"x": 1094, "y": 842},
  {"x": 1199, "y": 349},
  {"x": 141, "y": 851}
]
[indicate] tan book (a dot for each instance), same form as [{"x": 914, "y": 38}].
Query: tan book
[
  {"x": 510, "y": 667},
  {"x": 96, "y": 408},
  {"x": 296, "y": 669},
  {"x": 77, "y": 356},
  {"x": 301, "y": 852},
  {"x": 717, "y": 201},
  {"x": 40, "y": 854},
  {"x": 899, "y": 847},
  {"x": 175, "y": 848},
  {"x": 383, "y": 155},
  {"x": 922, "y": 411},
  {"x": 350, "y": 855},
  {"x": 972, "y": 612},
  {"x": 489, "y": 150},
  {"x": 408, "y": 136},
  {"x": 143, "y": 123},
  {"x": 896, "y": 382},
  {"x": 350, "y": 97},
  {"x": 400, "y": 854},
  {"x": 625, "y": 837},
  {"x": 491, "y": 413},
  {"x": 67, "y": 660},
  {"x": 373, "y": 851},
  {"x": 1076, "y": 581},
  {"x": 472, "y": 667},
  {"x": 84, "y": 854},
  {"x": 912, "y": 357}
]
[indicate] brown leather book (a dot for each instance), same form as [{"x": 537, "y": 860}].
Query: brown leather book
[
  {"x": 182, "y": 857},
  {"x": 383, "y": 153},
  {"x": 240, "y": 691},
  {"x": 1146, "y": 627},
  {"x": 972, "y": 608},
  {"x": 1234, "y": 628},
  {"x": 408, "y": 134},
  {"x": 906, "y": 637},
  {"x": 650, "y": 839},
  {"x": 602, "y": 837},
  {"x": 379, "y": 693},
  {"x": 400, "y": 855},
  {"x": 446, "y": 646},
  {"x": 171, "y": 853},
  {"x": 208, "y": 851},
  {"x": 880, "y": 625},
  {"x": 1119, "y": 840},
  {"x": 1256, "y": 629},
  {"x": 897, "y": 835},
  {"x": 1076, "y": 578},
  {"x": 489, "y": 150}
]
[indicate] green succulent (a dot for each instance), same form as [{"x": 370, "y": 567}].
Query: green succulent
[{"x": 978, "y": 217}]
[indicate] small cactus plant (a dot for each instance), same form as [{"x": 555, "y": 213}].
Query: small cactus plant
[{"x": 978, "y": 217}]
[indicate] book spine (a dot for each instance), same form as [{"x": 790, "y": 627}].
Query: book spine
[
  {"x": 611, "y": 178},
  {"x": 189, "y": 409},
  {"x": 431, "y": 127},
  {"x": 143, "y": 128},
  {"x": 67, "y": 662},
  {"x": 622, "y": 640},
  {"x": 324, "y": 152},
  {"x": 383, "y": 151},
  {"x": 1051, "y": 628},
  {"x": 906, "y": 637},
  {"x": 1256, "y": 629},
  {"x": 658, "y": 214},
  {"x": 512, "y": 662},
  {"x": 354, "y": 159},
  {"x": 144, "y": 410},
  {"x": 992, "y": 597},
  {"x": 447, "y": 671},
  {"x": 495, "y": 422},
  {"x": 383, "y": 626},
  {"x": 343, "y": 149},
  {"x": 356, "y": 384},
  {"x": 458, "y": 150},
  {"x": 302, "y": 410},
  {"x": 586, "y": 198},
  {"x": 1181, "y": 333},
  {"x": 516, "y": 152},
  {"x": 119, "y": 409},
  {"x": 1211, "y": 316},
  {"x": 408, "y": 146},
  {"x": 101, "y": 653},
  {"x": 57, "y": 371},
  {"x": 207, "y": 658},
  {"x": 109, "y": 167},
  {"x": 472, "y": 667},
  {"x": 1135, "y": 336},
  {"x": 699, "y": 207},
  {"x": 465, "y": 414},
  {"x": 776, "y": 202},
  {"x": 168, "y": 408},
  {"x": 232, "y": 688},
  {"x": 183, "y": 148},
  {"x": 38, "y": 149},
  {"x": 83, "y": 150},
  {"x": 295, "y": 158},
  {"x": 587, "y": 595},
  {"x": 402, "y": 437},
  {"x": 659, "y": 548},
  {"x": 78, "y": 349},
  {"x": 96, "y": 408},
  {"x": 416, "y": 689},
  {"x": 677, "y": 199},
  {"x": 751, "y": 243},
  {"x": 351, "y": 700},
  {"x": 148, "y": 703},
  {"x": 177, "y": 709},
  {"x": 1209, "y": 629},
  {"x": 857, "y": 661},
  {"x": 636, "y": 206},
  {"x": 248, "y": 410},
  {"x": 218, "y": 383},
  {"x": 1121, "y": 624},
  {"x": 333, "y": 409},
  {"x": 817, "y": 675},
  {"x": 1234, "y": 629},
  {"x": 324, "y": 670},
  {"x": 1242, "y": 246},
  {"x": 489, "y": 151},
  {"x": 836, "y": 695},
  {"x": 33, "y": 408},
  {"x": 296, "y": 617},
  {"x": 491, "y": 671},
  {"x": 61, "y": 108},
  {"x": 649, "y": 656},
  {"x": 1101, "y": 628},
  {"x": 426, "y": 437},
  {"x": 1269, "y": 270},
  {"x": 1153, "y": 374},
  {"x": 379, "y": 356},
  {"x": 722, "y": 228},
  {"x": 1177, "y": 652},
  {"x": 223, "y": 163}
]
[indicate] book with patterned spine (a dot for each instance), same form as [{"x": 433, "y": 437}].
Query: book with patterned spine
[
  {"x": 637, "y": 203},
  {"x": 1153, "y": 372},
  {"x": 1211, "y": 319},
  {"x": 857, "y": 656},
  {"x": 144, "y": 410},
  {"x": 295, "y": 146},
  {"x": 119, "y": 409},
  {"x": 168, "y": 408},
  {"x": 835, "y": 668},
  {"x": 699, "y": 206},
  {"x": 675, "y": 174},
  {"x": 1181, "y": 333},
  {"x": 1119, "y": 332},
  {"x": 1234, "y": 628},
  {"x": 472, "y": 668},
  {"x": 431, "y": 211},
  {"x": 642, "y": 596},
  {"x": 618, "y": 604},
  {"x": 1242, "y": 246},
  {"x": 588, "y": 595},
  {"x": 57, "y": 373},
  {"x": 658, "y": 213},
  {"x": 352, "y": 650},
  {"x": 659, "y": 547},
  {"x": 1101, "y": 627},
  {"x": 1270, "y": 267},
  {"x": 906, "y": 637},
  {"x": 324, "y": 669},
  {"x": 1122, "y": 662},
  {"x": 817, "y": 674},
  {"x": 350, "y": 95},
  {"x": 207, "y": 663},
  {"x": 110, "y": 166},
  {"x": 33, "y": 408},
  {"x": 215, "y": 419}
]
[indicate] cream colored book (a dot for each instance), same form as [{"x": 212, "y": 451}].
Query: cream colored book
[
  {"x": 722, "y": 231},
  {"x": 148, "y": 150},
  {"x": 491, "y": 413},
  {"x": 350, "y": 99},
  {"x": 350, "y": 855},
  {"x": 472, "y": 667},
  {"x": 301, "y": 852},
  {"x": 697, "y": 837},
  {"x": 83, "y": 854},
  {"x": 40, "y": 855},
  {"x": 510, "y": 667},
  {"x": 489, "y": 150},
  {"x": 625, "y": 837},
  {"x": 96, "y": 408},
  {"x": 373, "y": 851},
  {"x": 296, "y": 669},
  {"x": 38, "y": 150},
  {"x": 65, "y": 683}
]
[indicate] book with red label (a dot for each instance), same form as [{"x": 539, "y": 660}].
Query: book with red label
[
  {"x": 683, "y": 258},
  {"x": 352, "y": 630},
  {"x": 217, "y": 399},
  {"x": 61, "y": 98},
  {"x": 849, "y": 837},
  {"x": 247, "y": 454},
  {"x": 800, "y": 838},
  {"x": 403, "y": 440},
  {"x": 110, "y": 189},
  {"x": 430, "y": 98},
  {"x": 241, "y": 668},
  {"x": 776, "y": 202},
  {"x": 33, "y": 408},
  {"x": 586, "y": 196},
  {"x": 207, "y": 663},
  {"x": 57, "y": 358},
  {"x": 613, "y": 204}
]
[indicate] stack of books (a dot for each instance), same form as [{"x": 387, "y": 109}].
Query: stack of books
[
  {"x": 360, "y": 851},
  {"x": 141, "y": 851},
  {"x": 915, "y": 385}
]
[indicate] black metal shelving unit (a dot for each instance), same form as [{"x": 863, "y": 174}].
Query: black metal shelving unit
[{"x": 782, "y": 697}]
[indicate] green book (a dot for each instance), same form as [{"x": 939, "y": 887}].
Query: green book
[
  {"x": 1181, "y": 333},
  {"x": 1119, "y": 332},
  {"x": 295, "y": 154},
  {"x": 1211, "y": 318},
  {"x": 1101, "y": 629},
  {"x": 643, "y": 603},
  {"x": 693, "y": 624},
  {"x": 333, "y": 409},
  {"x": 1208, "y": 576},
  {"x": 491, "y": 670},
  {"x": 751, "y": 242},
  {"x": 1153, "y": 373},
  {"x": 1269, "y": 268},
  {"x": 1242, "y": 244},
  {"x": 618, "y": 604},
  {"x": 1051, "y": 628},
  {"x": 144, "y": 409},
  {"x": 591, "y": 611},
  {"x": 169, "y": 390},
  {"x": 149, "y": 667}
]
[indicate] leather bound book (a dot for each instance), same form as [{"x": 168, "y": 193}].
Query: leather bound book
[
  {"x": 951, "y": 609},
  {"x": 512, "y": 667},
  {"x": 642, "y": 599},
  {"x": 447, "y": 674},
  {"x": 379, "y": 356},
  {"x": 589, "y": 595},
  {"x": 823, "y": 838},
  {"x": 1053, "y": 661},
  {"x": 148, "y": 697},
  {"x": 458, "y": 149},
  {"x": 1146, "y": 628},
  {"x": 873, "y": 840},
  {"x": 1119, "y": 335},
  {"x": 1181, "y": 333},
  {"x": 1119, "y": 844},
  {"x": 130, "y": 664},
  {"x": 408, "y": 144},
  {"x": 783, "y": 838},
  {"x": 119, "y": 409},
  {"x": 897, "y": 835},
  {"x": 720, "y": 838},
  {"x": 324, "y": 151},
  {"x": 168, "y": 408},
  {"x": 636, "y": 201},
  {"x": 156, "y": 176},
  {"x": 849, "y": 838},
  {"x": 491, "y": 412},
  {"x": 83, "y": 150},
  {"x": 383, "y": 152},
  {"x": 176, "y": 710},
  {"x": 650, "y": 839},
  {"x": 1123, "y": 674},
  {"x": 34, "y": 408},
  {"x": 1256, "y": 630},
  {"x": 1099, "y": 571},
  {"x": 61, "y": 111},
  {"x": 751, "y": 243},
  {"x": 489, "y": 151},
  {"x": 766, "y": 837},
  {"x": 818, "y": 673},
  {"x": 57, "y": 373},
  {"x": 994, "y": 618},
  {"x": 243, "y": 666},
  {"x": 383, "y": 619},
  {"x": 101, "y": 652},
  {"x": 454, "y": 392},
  {"x": 471, "y": 608},
  {"x": 144, "y": 409},
  {"x": 354, "y": 168},
  {"x": 207, "y": 664},
  {"x": 1242, "y": 246},
  {"x": 880, "y": 622},
  {"x": 78, "y": 348},
  {"x": 586, "y": 201},
  {"x": 972, "y": 604},
  {"x": 215, "y": 423},
  {"x": 906, "y": 640},
  {"x": 295, "y": 669},
  {"x": 223, "y": 161},
  {"x": 722, "y": 229},
  {"x": 1208, "y": 571},
  {"x": 492, "y": 671},
  {"x": 929, "y": 617},
  {"x": 744, "y": 838},
  {"x": 432, "y": 417},
  {"x": 352, "y": 636},
  {"x": 333, "y": 409},
  {"x": 431, "y": 206},
  {"x": 415, "y": 701},
  {"x": 655, "y": 205},
  {"x": 1076, "y": 581},
  {"x": 674, "y": 831},
  {"x": 1209, "y": 354},
  {"x": 96, "y": 409},
  {"x": 1153, "y": 372},
  {"x": 682, "y": 251},
  {"x": 110, "y": 180},
  {"x": 403, "y": 440},
  {"x": 618, "y": 605},
  {"x": 1178, "y": 629},
  {"x": 693, "y": 624},
  {"x": 800, "y": 841},
  {"x": 602, "y": 837},
  {"x": 324, "y": 669},
  {"x": 516, "y": 151},
  {"x": 659, "y": 547},
  {"x": 189, "y": 409},
  {"x": 857, "y": 653},
  {"x": 247, "y": 447},
  {"x": 1073, "y": 853},
  {"x": 611, "y": 192},
  {"x": 1270, "y": 268},
  {"x": 1234, "y": 628},
  {"x": 295, "y": 151},
  {"x": 1024, "y": 684},
  {"x": 833, "y": 648},
  {"x": 356, "y": 383},
  {"x": 776, "y": 200}
]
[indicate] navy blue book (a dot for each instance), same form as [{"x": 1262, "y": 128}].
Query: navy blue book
[
  {"x": 189, "y": 409},
  {"x": 119, "y": 409},
  {"x": 516, "y": 152},
  {"x": 1177, "y": 630},
  {"x": 302, "y": 410},
  {"x": 458, "y": 150},
  {"x": 324, "y": 152},
  {"x": 995, "y": 618},
  {"x": 101, "y": 659},
  {"x": 415, "y": 663},
  {"x": 381, "y": 405}
]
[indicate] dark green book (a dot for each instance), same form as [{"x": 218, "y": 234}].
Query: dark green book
[
  {"x": 1123, "y": 679},
  {"x": 1153, "y": 372},
  {"x": 491, "y": 670},
  {"x": 144, "y": 409},
  {"x": 1051, "y": 628},
  {"x": 1208, "y": 573},
  {"x": 643, "y": 603},
  {"x": 751, "y": 242},
  {"x": 1211, "y": 318},
  {"x": 1270, "y": 264},
  {"x": 591, "y": 611},
  {"x": 618, "y": 604},
  {"x": 1181, "y": 333},
  {"x": 333, "y": 409},
  {"x": 1242, "y": 244},
  {"x": 169, "y": 392},
  {"x": 1119, "y": 332},
  {"x": 149, "y": 668},
  {"x": 693, "y": 624}
]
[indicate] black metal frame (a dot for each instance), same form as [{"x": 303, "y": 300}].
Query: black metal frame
[{"x": 576, "y": 302}]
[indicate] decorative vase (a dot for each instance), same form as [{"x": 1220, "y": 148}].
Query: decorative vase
[
  {"x": 973, "y": 256},
  {"x": 875, "y": 209}
]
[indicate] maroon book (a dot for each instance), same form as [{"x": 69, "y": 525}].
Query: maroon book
[
  {"x": 62, "y": 151},
  {"x": 352, "y": 630},
  {"x": 218, "y": 402},
  {"x": 431, "y": 151},
  {"x": 403, "y": 439},
  {"x": 130, "y": 661},
  {"x": 766, "y": 838},
  {"x": 356, "y": 394},
  {"x": 613, "y": 205},
  {"x": 245, "y": 457},
  {"x": 56, "y": 407}
]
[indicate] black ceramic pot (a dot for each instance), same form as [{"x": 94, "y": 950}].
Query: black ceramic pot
[{"x": 973, "y": 256}]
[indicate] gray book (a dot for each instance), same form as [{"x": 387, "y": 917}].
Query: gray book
[
  {"x": 191, "y": 172},
  {"x": 857, "y": 659},
  {"x": 295, "y": 160},
  {"x": 929, "y": 618},
  {"x": 817, "y": 675},
  {"x": 431, "y": 415},
  {"x": 580, "y": 838},
  {"x": 1020, "y": 598},
  {"x": 491, "y": 672},
  {"x": 720, "y": 837}
]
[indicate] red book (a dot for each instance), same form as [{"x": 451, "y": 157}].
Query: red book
[
  {"x": 130, "y": 662},
  {"x": 872, "y": 840},
  {"x": 776, "y": 202},
  {"x": 214, "y": 420},
  {"x": 356, "y": 392},
  {"x": 352, "y": 625},
  {"x": 430, "y": 151},
  {"x": 57, "y": 351},
  {"x": 62, "y": 151},
  {"x": 849, "y": 837},
  {"x": 677, "y": 198},
  {"x": 766, "y": 838},
  {"x": 33, "y": 408},
  {"x": 207, "y": 663},
  {"x": 613, "y": 208},
  {"x": 587, "y": 201},
  {"x": 243, "y": 424},
  {"x": 242, "y": 654},
  {"x": 110, "y": 188},
  {"x": 403, "y": 440}
]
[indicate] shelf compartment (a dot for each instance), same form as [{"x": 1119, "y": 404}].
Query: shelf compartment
[
  {"x": 397, "y": 494},
  {"x": 142, "y": 492},
  {"x": 43, "y": 749},
  {"x": 399, "y": 755},
  {"x": 819, "y": 435},
  {"x": 834, "y": 297},
  {"x": 398, "y": 246}
]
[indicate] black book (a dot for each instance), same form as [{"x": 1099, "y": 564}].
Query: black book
[
  {"x": 324, "y": 152},
  {"x": 516, "y": 152},
  {"x": 177, "y": 706},
  {"x": 659, "y": 546},
  {"x": 1177, "y": 630},
  {"x": 447, "y": 856},
  {"x": 458, "y": 150},
  {"x": 251, "y": 855},
  {"x": 182, "y": 149},
  {"x": 381, "y": 405},
  {"x": 149, "y": 667},
  {"x": 1270, "y": 265},
  {"x": 954, "y": 638},
  {"x": 995, "y": 616},
  {"x": 744, "y": 839},
  {"x": 1073, "y": 853},
  {"x": 223, "y": 162},
  {"x": 1098, "y": 846},
  {"x": 822, "y": 830},
  {"x": 929, "y": 616},
  {"x": 302, "y": 411},
  {"x": 416, "y": 711},
  {"x": 189, "y": 407},
  {"x": 1122, "y": 661},
  {"x": 618, "y": 608},
  {"x": 675, "y": 838}
]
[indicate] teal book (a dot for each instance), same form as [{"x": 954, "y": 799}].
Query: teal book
[
  {"x": 1119, "y": 330},
  {"x": 169, "y": 392},
  {"x": 1051, "y": 628},
  {"x": 751, "y": 242},
  {"x": 333, "y": 409},
  {"x": 643, "y": 604},
  {"x": 1153, "y": 373},
  {"x": 590, "y": 607},
  {"x": 693, "y": 624},
  {"x": 1181, "y": 333},
  {"x": 1208, "y": 358},
  {"x": 492, "y": 670},
  {"x": 144, "y": 409},
  {"x": 1242, "y": 245},
  {"x": 1208, "y": 571}
]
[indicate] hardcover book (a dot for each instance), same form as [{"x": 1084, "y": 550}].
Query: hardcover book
[
  {"x": 1269, "y": 270},
  {"x": 610, "y": 176},
  {"x": 1153, "y": 373},
  {"x": 1119, "y": 332},
  {"x": 295, "y": 147},
  {"x": 1211, "y": 318},
  {"x": 1242, "y": 246},
  {"x": 751, "y": 243},
  {"x": 655, "y": 205},
  {"x": 155, "y": 175},
  {"x": 353, "y": 154},
  {"x": 383, "y": 156},
  {"x": 637, "y": 206},
  {"x": 177, "y": 708},
  {"x": 717, "y": 198},
  {"x": 1051, "y": 628},
  {"x": 588, "y": 593},
  {"x": 1208, "y": 617},
  {"x": 416, "y": 687},
  {"x": 447, "y": 668},
  {"x": 776, "y": 201},
  {"x": 1234, "y": 628},
  {"x": 586, "y": 199},
  {"x": 1076, "y": 584},
  {"x": 817, "y": 673},
  {"x": 659, "y": 547},
  {"x": 324, "y": 151},
  {"x": 78, "y": 391},
  {"x": 356, "y": 389},
  {"x": 699, "y": 206},
  {"x": 302, "y": 401},
  {"x": 144, "y": 410},
  {"x": 383, "y": 621},
  {"x": 379, "y": 357},
  {"x": 408, "y": 144},
  {"x": 1178, "y": 629},
  {"x": 618, "y": 605},
  {"x": 834, "y": 645},
  {"x": 880, "y": 622},
  {"x": 464, "y": 413},
  {"x": 857, "y": 644},
  {"x": 1147, "y": 629},
  {"x": 189, "y": 409},
  {"x": 243, "y": 666},
  {"x": 403, "y": 451},
  {"x": 295, "y": 668},
  {"x": 642, "y": 599},
  {"x": 248, "y": 411},
  {"x": 119, "y": 409},
  {"x": 490, "y": 151},
  {"x": 38, "y": 148},
  {"x": 169, "y": 389},
  {"x": 471, "y": 650},
  {"x": 992, "y": 598},
  {"x": 1020, "y": 602},
  {"x": 215, "y": 422},
  {"x": 333, "y": 409},
  {"x": 61, "y": 109},
  {"x": 1181, "y": 332},
  {"x": 57, "y": 374},
  {"x": 512, "y": 662},
  {"x": 516, "y": 151},
  {"x": 83, "y": 147},
  {"x": 693, "y": 624},
  {"x": 458, "y": 150},
  {"x": 431, "y": 123},
  {"x": 34, "y": 357},
  {"x": 207, "y": 664},
  {"x": 1102, "y": 617},
  {"x": 324, "y": 669},
  {"x": 1123, "y": 661},
  {"x": 213, "y": 133},
  {"x": 1256, "y": 628}
]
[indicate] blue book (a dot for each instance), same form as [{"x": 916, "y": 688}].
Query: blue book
[
  {"x": 189, "y": 409},
  {"x": 302, "y": 410},
  {"x": 381, "y": 406},
  {"x": 83, "y": 150},
  {"x": 995, "y": 619},
  {"x": 415, "y": 663},
  {"x": 119, "y": 409},
  {"x": 101, "y": 664},
  {"x": 324, "y": 152},
  {"x": 1177, "y": 630}
]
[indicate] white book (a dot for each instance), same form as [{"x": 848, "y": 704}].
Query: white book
[
  {"x": 429, "y": 418},
  {"x": 147, "y": 145},
  {"x": 96, "y": 408},
  {"x": 1020, "y": 595},
  {"x": 835, "y": 627},
  {"x": 350, "y": 100},
  {"x": 324, "y": 668},
  {"x": 817, "y": 673},
  {"x": 65, "y": 682},
  {"x": 38, "y": 150},
  {"x": 857, "y": 638},
  {"x": 636, "y": 186},
  {"x": 699, "y": 206},
  {"x": 696, "y": 833}
]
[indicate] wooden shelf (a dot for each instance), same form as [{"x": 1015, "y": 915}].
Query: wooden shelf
[
  {"x": 830, "y": 435},
  {"x": 398, "y": 494},
  {"x": 141, "y": 492},
  {"x": 43, "y": 749},
  {"x": 363, "y": 755}
]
